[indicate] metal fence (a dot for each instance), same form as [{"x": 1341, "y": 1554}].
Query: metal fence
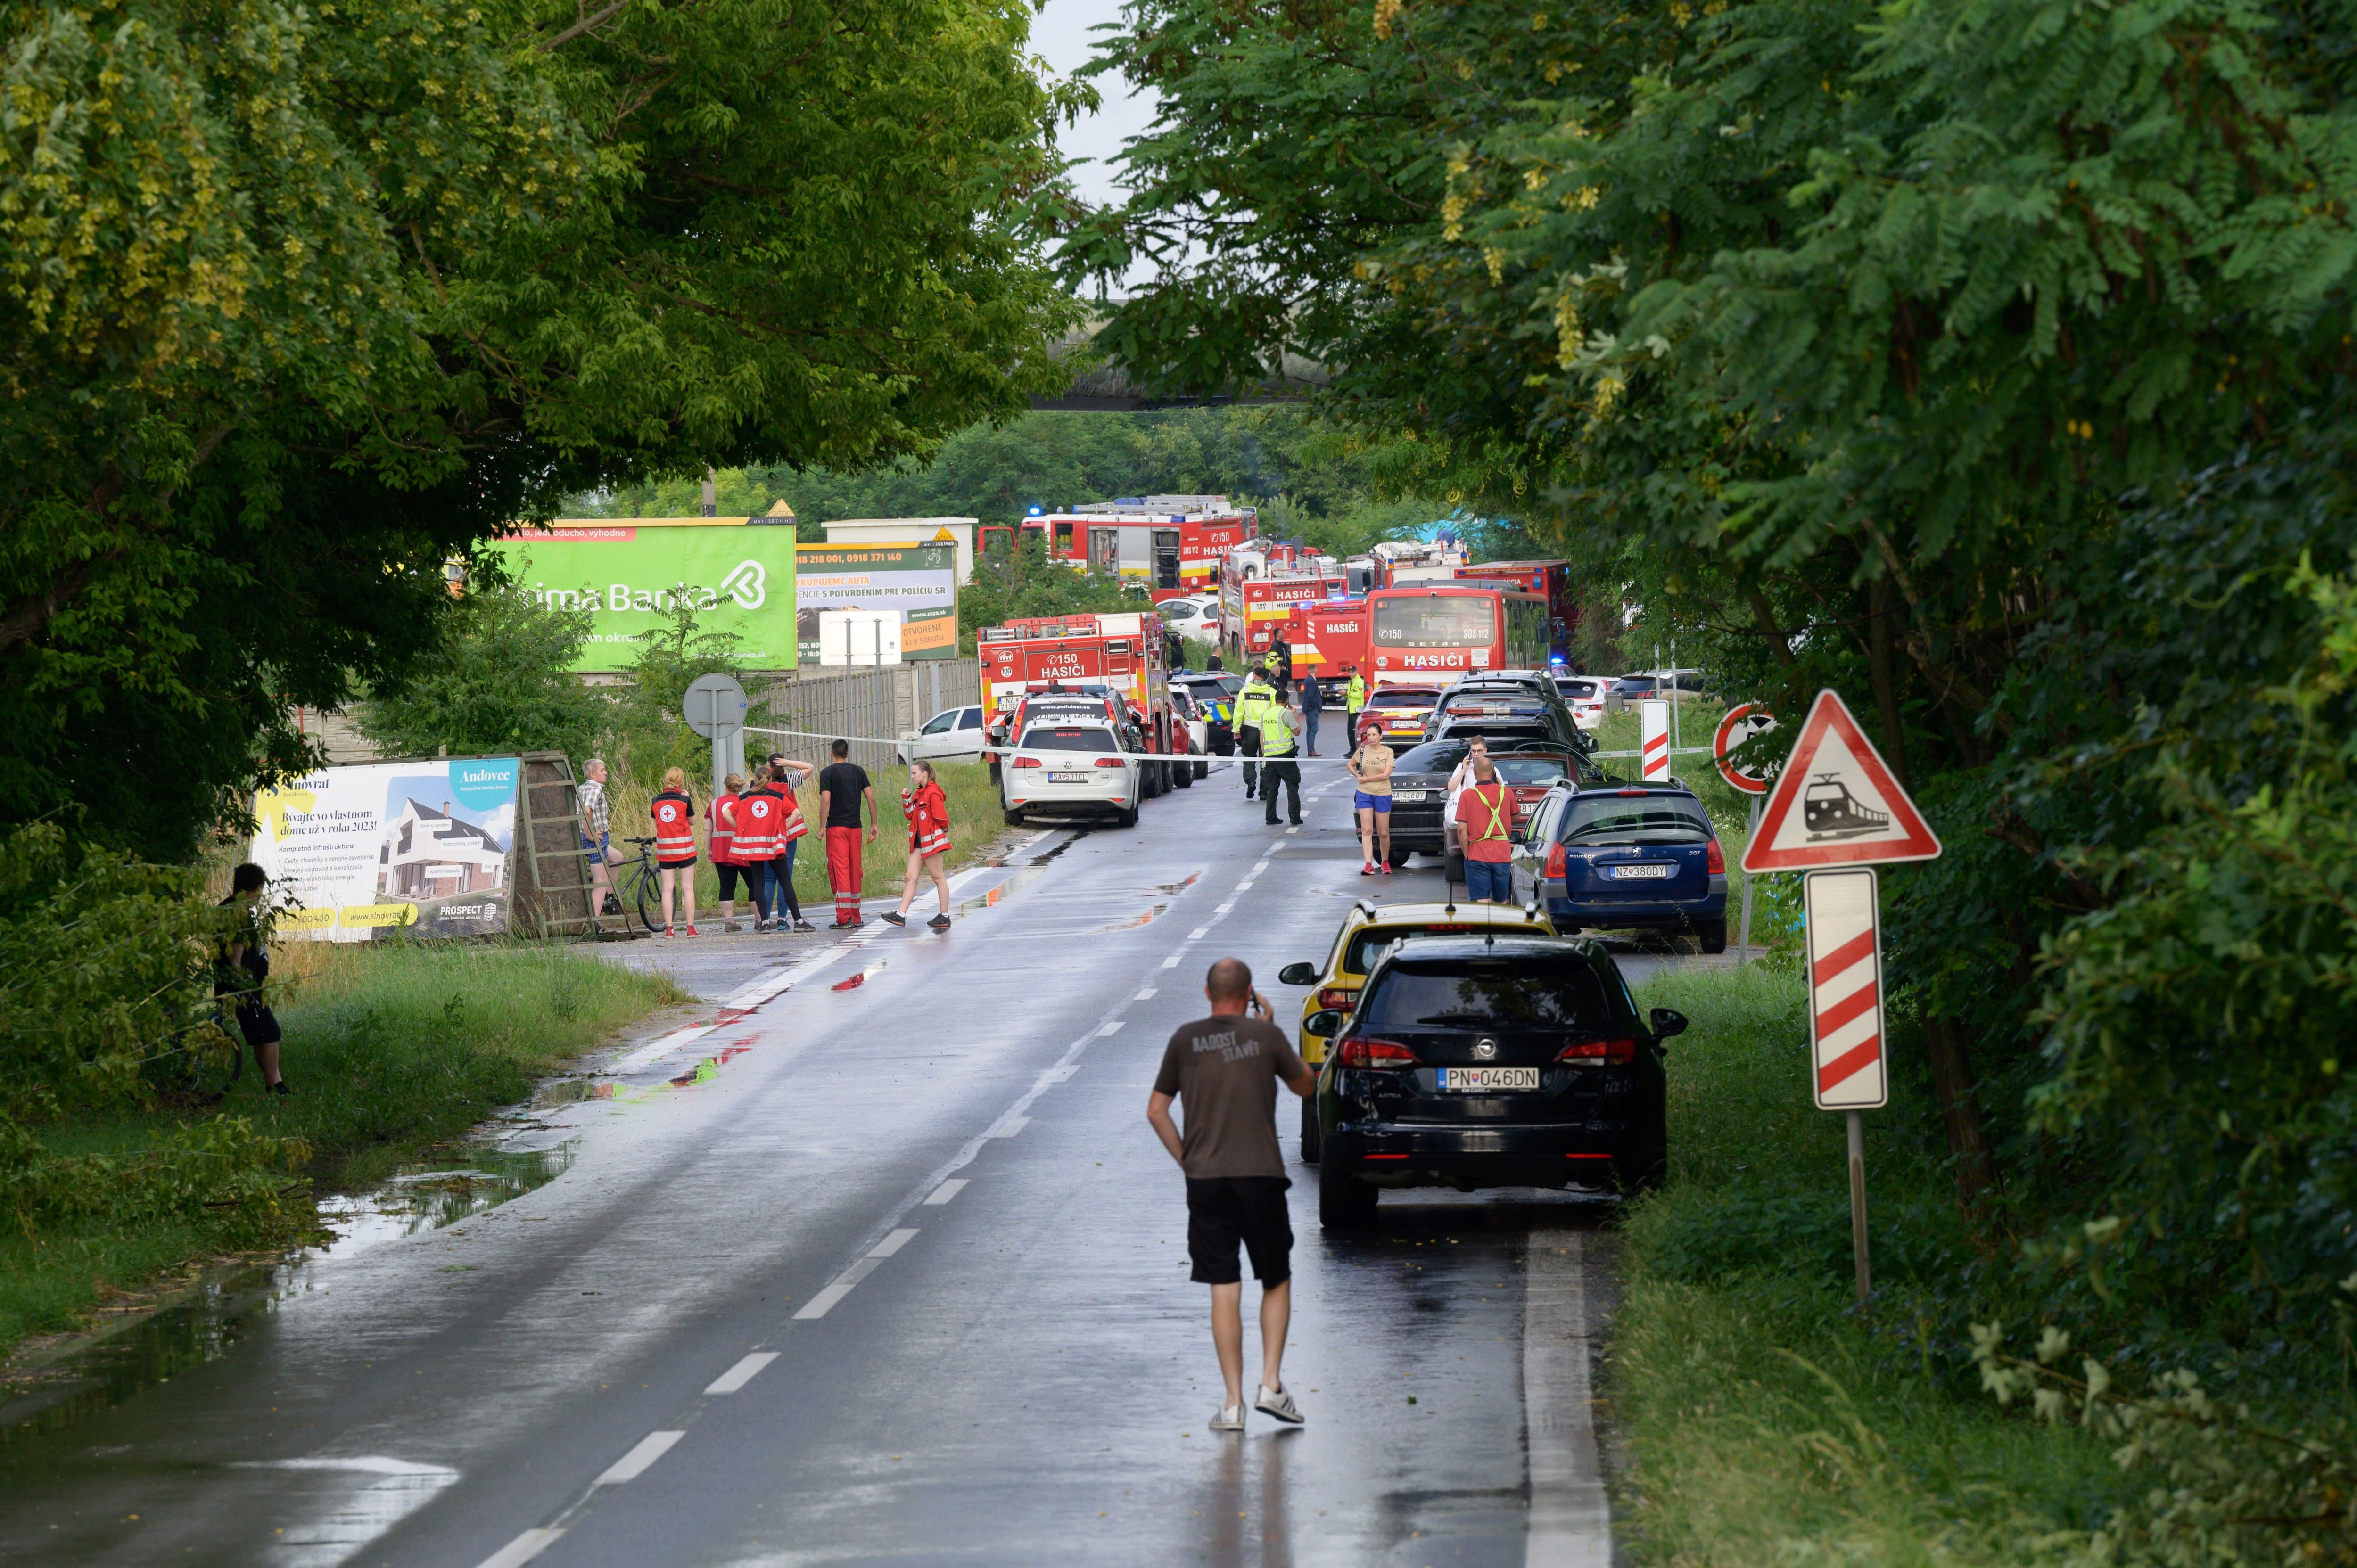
[{"x": 883, "y": 702}]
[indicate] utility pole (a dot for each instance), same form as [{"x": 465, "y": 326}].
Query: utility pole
[{"x": 711, "y": 492}]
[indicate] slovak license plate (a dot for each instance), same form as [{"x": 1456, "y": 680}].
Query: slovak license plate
[
  {"x": 1654, "y": 873},
  {"x": 1487, "y": 1079},
  {"x": 1067, "y": 778},
  {"x": 1407, "y": 794}
]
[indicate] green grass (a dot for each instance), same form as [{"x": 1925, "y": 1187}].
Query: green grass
[
  {"x": 390, "y": 1050},
  {"x": 1766, "y": 1422}
]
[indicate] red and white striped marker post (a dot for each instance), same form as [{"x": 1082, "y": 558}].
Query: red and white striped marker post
[
  {"x": 1654, "y": 748},
  {"x": 1847, "y": 1058}
]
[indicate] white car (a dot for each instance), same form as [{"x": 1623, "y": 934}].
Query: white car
[
  {"x": 1584, "y": 695},
  {"x": 953, "y": 735},
  {"x": 1196, "y": 619},
  {"x": 1071, "y": 766}
]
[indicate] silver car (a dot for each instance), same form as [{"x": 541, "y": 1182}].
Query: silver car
[{"x": 1071, "y": 766}]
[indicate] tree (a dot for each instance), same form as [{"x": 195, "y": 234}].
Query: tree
[
  {"x": 302, "y": 303},
  {"x": 500, "y": 681}
]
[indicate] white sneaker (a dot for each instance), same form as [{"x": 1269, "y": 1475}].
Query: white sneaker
[
  {"x": 1229, "y": 1419},
  {"x": 1277, "y": 1402}
]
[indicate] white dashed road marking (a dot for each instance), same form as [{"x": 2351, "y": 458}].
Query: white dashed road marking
[
  {"x": 633, "y": 1465},
  {"x": 521, "y": 1550},
  {"x": 743, "y": 1372},
  {"x": 945, "y": 1192}
]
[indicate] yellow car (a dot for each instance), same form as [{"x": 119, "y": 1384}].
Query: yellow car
[{"x": 1367, "y": 930}]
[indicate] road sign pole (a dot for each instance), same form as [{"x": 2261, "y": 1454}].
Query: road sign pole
[
  {"x": 1743, "y": 932},
  {"x": 1858, "y": 1204}
]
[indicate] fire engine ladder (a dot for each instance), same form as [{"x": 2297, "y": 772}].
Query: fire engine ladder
[{"x": 554, "y": 894}]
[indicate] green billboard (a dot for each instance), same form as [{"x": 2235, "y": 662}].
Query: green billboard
[{"x": 629, "y": 574}]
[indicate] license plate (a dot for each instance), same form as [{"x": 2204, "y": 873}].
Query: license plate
[
  {"x": 1484, "y": 1080},
  {"x": 1408, "y": 795},
  {"x": 1067, "y": 778},
  {"x": 1641, "y": 873}
]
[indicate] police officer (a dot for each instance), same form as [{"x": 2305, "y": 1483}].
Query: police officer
[
  {"x": 1280, "y": 747},
  {"x": 1251, "y": 704},
  {"x": 1354, "y": 698},
  {"x": 1279, "y": 662}
]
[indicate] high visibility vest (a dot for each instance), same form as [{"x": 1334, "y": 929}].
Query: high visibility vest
[
  {"x": 1251, "y": 704},
  {"x": 1354, "y": 695},
  {"x": 675, "y": 816},
  {"x": 1500, "y": 810},
  {"x": 721, "y": 815},
  {"x": 756, "y": 825},
  {"x": 1276, "y": 733}
]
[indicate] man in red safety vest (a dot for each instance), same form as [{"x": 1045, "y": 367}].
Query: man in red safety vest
[{"x": 1485, "y": 816}]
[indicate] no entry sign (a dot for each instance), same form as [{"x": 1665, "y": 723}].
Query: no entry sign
[
  {"x": 1741, "y": 722},
  {"x": 1845, "y": 949}
]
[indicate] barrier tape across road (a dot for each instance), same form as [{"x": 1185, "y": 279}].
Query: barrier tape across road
[{"x": 895, "y": 742}]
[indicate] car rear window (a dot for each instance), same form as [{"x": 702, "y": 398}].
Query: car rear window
[
  {"x": 1498, "y": 731},
  {"x": 1635, "y": 819},
  {"x": 1583, "y": 690},
  {"x": 1368, "y": 946},
  {"x": 1540, "y": 770},
  {"x": 1068, "y": 737},
  {"x": 1402, "y": 697},
  {"x": 1488, "y": 993}
]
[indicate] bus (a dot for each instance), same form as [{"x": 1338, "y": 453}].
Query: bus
[{"x": 1445, "y": 629}]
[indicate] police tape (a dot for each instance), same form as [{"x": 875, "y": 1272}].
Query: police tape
[{"x": 985, "y": 750}]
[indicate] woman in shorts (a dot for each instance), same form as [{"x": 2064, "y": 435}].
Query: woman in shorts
[
  {"x": 1371, "y": 765},
  {"x": 675, "y": 818},
  {"x": 928, "y": 811}
]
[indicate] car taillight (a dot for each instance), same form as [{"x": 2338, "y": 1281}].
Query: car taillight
[
  {"x": 1613, "y": 1051},
  {"x": 1339, "y": 1001},
  {"x": 1108, "y": 762},
  {"x": 1554, "y": 867},
  {"x": 1357, "y": 1052},
  {"x": 1714, "y": 859},
  {"x": 1026, "y": 762}
]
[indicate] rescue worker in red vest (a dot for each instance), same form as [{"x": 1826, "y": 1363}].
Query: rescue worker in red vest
[
  {"x": 928, "y": 811},
  {"x": 1485, "y": 817},
  {"x": 755, "y": 842},
  {"x": 675, "y": 816},
  {"x": 787, "y": 776},
  {"x": 720, "y": 836}
]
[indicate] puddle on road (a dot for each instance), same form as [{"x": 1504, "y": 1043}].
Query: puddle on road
[{"x": 38, "y": 1401}]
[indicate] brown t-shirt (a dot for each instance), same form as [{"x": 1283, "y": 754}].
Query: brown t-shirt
[{"x": 1225, "y": 1071}]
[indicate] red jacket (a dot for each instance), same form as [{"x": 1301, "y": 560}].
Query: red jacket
[
  {"x": 927, "y": 812},
  {"x": 722, "y": 816},
  {"x": 675, "y": 816}
]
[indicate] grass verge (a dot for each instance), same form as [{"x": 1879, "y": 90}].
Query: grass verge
[
  {"x": 390, "y": 1048},
  {"x": 1766, "y": 1422}
]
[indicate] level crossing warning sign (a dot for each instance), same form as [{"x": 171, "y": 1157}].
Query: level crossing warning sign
[
  {"x": 1844, "y": 948},
  {"x": 1837, "y": 803}
]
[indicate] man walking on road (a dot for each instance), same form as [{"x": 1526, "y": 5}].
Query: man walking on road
[
  {"x": 1280, "y": 750},
  {"x": 1226, "y": 1068},
  {"x": 842, "y": 784},
  {"x": 1312, "y": 699},
  {"x": 1252, "y": 705}
]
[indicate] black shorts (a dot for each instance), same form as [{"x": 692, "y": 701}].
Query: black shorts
[
  {"x": 1222, "y": 1211},
  {"x": 257, "y": 1024}
]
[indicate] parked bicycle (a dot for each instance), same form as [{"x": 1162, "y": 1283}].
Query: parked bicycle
[
  {"x": 640, "y": 886},
  {"x": 200, "y": 1064}
]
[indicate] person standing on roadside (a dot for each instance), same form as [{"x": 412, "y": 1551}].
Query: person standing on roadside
[
  {"x": 1312, "y": 699},
  {"x": 754, "y": 841},
  {"x": 240, "y": 966},
  {"x": 1225, "y": 1069},
  {"x": 928, "y": 811},
  {"x": 842, "y": 785},
  {"x": 1371, "y": 765},
  {"x": 720, "y": 836},
  {"x": 1253, "y": 701},
  {"x": 1280, "y": 732},
  {"x": 597, "y": 834},
  {"x": 786, "y": 776},
  {"x": 674, "y": 818},
  {"x": 1485, "y": 818},
  {"x": 1354, "y": 700}
]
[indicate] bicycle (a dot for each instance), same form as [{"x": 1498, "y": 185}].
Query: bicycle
[
  {"x": 639, "y": 882},
  {"x": 192, "y": 1069}
]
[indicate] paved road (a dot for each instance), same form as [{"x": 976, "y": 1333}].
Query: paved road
[{"x": 883, "y": 1266}]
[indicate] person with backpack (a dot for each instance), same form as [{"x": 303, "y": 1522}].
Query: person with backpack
[
  {"x": 674, "y": 818},
  {"x": 928, "y": 811}
]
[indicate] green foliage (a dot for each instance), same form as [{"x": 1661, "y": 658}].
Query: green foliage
[
  {"x": 499, "y": 680},
  {"x": 303, "y": 302},
  {"x": 1021, "y": 580},
  {"x": 647, "y": 733}
]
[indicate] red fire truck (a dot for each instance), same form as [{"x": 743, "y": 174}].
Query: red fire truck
[
  {"x": 1550, "y": 580},
  {"x": 1329, "y": 637},
  {"x": 1250, "y": 609},
  {"x": 1169, "y": 546},
  {"x": 1120, "y": 655}
]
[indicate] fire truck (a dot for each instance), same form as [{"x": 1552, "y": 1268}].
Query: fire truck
[
  {"x": 1550, "y": 580},
  {"x": 1120, "y": 655},
  {"x": 1400, "y": 561},
  {"x": 1329, "y": 637},
  {"x": 1166, "y": 545},
  {"x": 1253, "y": 607}
]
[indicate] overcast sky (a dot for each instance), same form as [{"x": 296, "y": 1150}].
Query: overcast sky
[{"x": 1060, "y": 33}]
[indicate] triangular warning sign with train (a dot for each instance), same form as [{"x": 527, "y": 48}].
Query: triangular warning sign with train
[{"x": 1837, "y": 803}]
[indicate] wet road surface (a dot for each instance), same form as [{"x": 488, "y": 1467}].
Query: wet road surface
[{"x": 883, "y": 1265}]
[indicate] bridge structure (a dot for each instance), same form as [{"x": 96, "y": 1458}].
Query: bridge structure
[{"x": 1110, "y": 388}]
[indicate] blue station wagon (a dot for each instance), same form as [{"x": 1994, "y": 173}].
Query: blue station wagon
[{"x": 1623, "y": 856}]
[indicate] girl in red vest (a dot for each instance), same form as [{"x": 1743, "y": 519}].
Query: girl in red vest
[
  {"x": 787, "y": 774},
  {"x": 720, "y": 833},
  {"x": 928, "y": 811},
  {"x": 675, "y": 816}
]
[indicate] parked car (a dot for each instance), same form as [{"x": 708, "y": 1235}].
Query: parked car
[
  {"x": 1584, "y": 695},
  {"x": 1196, "y": 728},
  {"x": 1400, "y": 711},
  {"x": 1513, "y": 697},
  {"x": 1071, "y": 765},
  {"x": 1214, "y": 693},
  {"x": 1196, "y": 619},
  {"x": 1367, "y": 933},
  {"x": 1626, "y": 857},
  {"x": 951, "y": 735},
  {"x": 1489, "y": 1061},
  {"x": 1420, "y": 781}
]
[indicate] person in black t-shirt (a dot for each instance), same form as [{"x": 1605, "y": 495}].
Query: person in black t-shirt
[
  {"x": 842, "y": 784},
  {"x": 240, "y": 966}
]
